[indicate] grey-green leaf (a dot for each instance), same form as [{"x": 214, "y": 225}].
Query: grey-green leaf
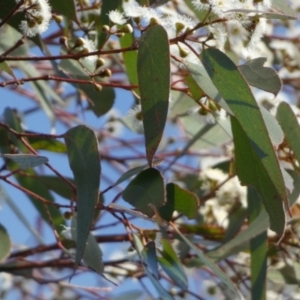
[
  {"x": 26, "y": 161},
  {"x": 92, "y": 255},
  {"x": 154, "y": 84},
  {"x": 84, "y": 160},
  {"x": 257, "y": 75},
  {"x": 289, "y": 124}
]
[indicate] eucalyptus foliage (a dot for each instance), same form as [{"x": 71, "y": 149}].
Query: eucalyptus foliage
[{"x": 178, "y": 126}]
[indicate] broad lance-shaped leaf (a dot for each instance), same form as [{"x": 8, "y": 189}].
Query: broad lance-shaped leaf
[
  {"x": 257, "y": 75},
  {"x": 84, "y": 160},
  {"x": 290, "y": 126},
  {"x": 146, "y": 190},
  {"x": 154, "y": 84},
  {"x": 251, "y": 171},
  {"x": 265, "y": 174}
]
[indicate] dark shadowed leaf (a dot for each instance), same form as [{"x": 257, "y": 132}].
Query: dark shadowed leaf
[
  {"x": 172, "y": 265},
  {"x": 84, "y": 159},
  {"x": 30, "y": 183},
  {"x": 181, "y": 200},
  {"x": 5, "y": 245},
  {"x": 146, "y": 190},
  {"x": 251, "y": 171},
  {"x": 289, "y": 124},
  {"x": 257, "y": 75},
  {"x": 102, "y": 101},
  {"x": 258, "y": 249},
  {"x": 66, "y": 8},
  {"x": 267, "y": 174},
  {"x": 57, "y": 185},
  {"x": 154, "y": 84}
]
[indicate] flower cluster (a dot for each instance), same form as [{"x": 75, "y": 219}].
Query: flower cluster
[{"x": 38, "y": 16}]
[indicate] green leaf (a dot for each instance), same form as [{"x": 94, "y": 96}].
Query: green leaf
[
  {"x": 6, "y": 68},
  {"x": 92, "y": 255},
  {"x": 26, "y": 161},
  {"x": 149, "y": 255},
  {"x": 236, "y": 220},
  {"x": 202, "y": 78},
  {"x": 102, "y": 101},
  {"x": 29, "y": 182},
  {"x": 107, "y": 6},
  {"x": 172, "y": 265},
  {"x": 249, "y": 125},
  {"x": 209, "y": 263},
  {"x": 66, "y": 8},
  {"x": 139, "y": 248},
  {"x": 39, "y": 143},
  {"x": 146, "y": 190},
  {"x": 250, "y": 170},
  {"x": 154, "y": 84},
  {"x": 84, "y": 159},
  {"x": 290, "y": 126},
  {"x": 5, "y": 245},
  {"x": 130, "y": 59},
  {"x": 257, "y": 75},
  {"x": 275, "y": 132},
  {"x": 258, "y": 249},
  {"x": 181, "y": 200},
  {"x": 57, "y": 185}
]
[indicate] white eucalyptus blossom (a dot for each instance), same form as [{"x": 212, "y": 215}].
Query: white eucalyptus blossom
[
  {"x": 38, "y": 16},
  {"x": 117, "y": 17}
]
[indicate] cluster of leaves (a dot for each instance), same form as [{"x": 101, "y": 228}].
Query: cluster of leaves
[{"x": 158, "y": 178}]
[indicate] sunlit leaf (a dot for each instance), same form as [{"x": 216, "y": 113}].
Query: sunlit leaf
[
  {"x": 249, "y": 125},
  {"x": 5, "y": 245},
  {"x": 26, "y": 161},
  {"x": 84, "y": 159},
  {"x": 145, "y": 191},
  {"x": 201, "y": 77},
  {"x": 257, "y": 75},
  {"x": 289, "y": 124},
  {"x": 181, "y": 200},
  {"x": 154, "y": 84}
]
